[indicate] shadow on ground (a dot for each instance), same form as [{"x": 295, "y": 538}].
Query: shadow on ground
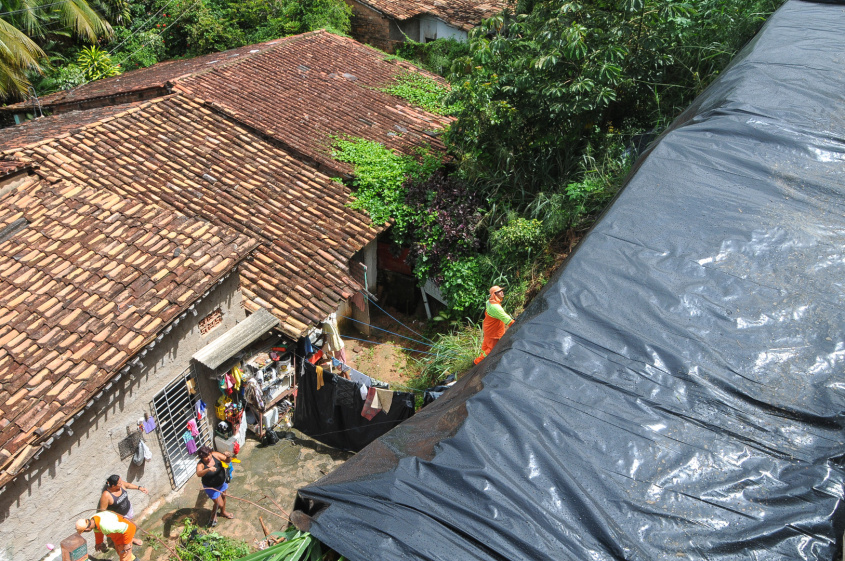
[{"x": 267, "y": 476}]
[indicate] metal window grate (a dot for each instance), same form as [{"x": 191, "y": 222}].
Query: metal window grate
[{"x": 174, "y": 407}]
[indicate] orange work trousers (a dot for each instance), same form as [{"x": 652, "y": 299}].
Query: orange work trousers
[{"x": 493, "y": 330}]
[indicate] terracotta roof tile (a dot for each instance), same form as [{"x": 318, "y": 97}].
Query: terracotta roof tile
[
  {"x": 306, "y": 108},
  {"x": 259, "y": 209},
  {"x": 57, "y": 343}
]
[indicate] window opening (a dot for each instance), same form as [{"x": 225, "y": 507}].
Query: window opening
[{"x": 174, "y": 407}]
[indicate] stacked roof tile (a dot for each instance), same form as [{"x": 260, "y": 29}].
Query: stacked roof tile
[
  {"x": 463, "y": 14},
  {"x": 88, "y": 279},
  {"x": 177, "y": 153},
  {"x": 313, "y": 86},
  {"x": 301, "y": 90},
  {"x": 152, "y": 80}
]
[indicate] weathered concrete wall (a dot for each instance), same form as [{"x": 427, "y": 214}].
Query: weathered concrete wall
[
  {"x": 371, "y": 27},
  {"x": 432, "y": 28},
  {"x": 65, "y": 483}
]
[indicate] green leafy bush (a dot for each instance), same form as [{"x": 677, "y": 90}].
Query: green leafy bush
[
  {"x": 379, "y": 177},
  {"x": 421, "y": 91},
  {"x": 137, "y": 49},
  {"x": 435, "y": 56},
  {"x": 464, "y": 285},
  {"x": 197, "y": 545},
  {"x": 517, "y": 242},
  {"x": 96, "y": 63}
]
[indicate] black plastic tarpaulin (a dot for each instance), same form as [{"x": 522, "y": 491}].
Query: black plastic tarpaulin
[{"x": 677, "y": 391}]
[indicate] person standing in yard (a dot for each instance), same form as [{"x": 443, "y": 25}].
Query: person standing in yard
[
  {"x": 496, "y": 322},
  {"x": 213, "y": 475},
  {"x": 119, "y": 530},
  {"x": 116, "y": 499}
]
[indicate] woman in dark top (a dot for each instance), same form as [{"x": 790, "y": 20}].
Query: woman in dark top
[
  {"x": 213, "y": 476},
  {"x": 116, "y": 499}
]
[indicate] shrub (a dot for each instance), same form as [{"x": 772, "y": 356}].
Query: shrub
[
  {"x": 517, "y": 242},
  {"x": 448, "y": 214},
  {"x": 197, "y": 545}
]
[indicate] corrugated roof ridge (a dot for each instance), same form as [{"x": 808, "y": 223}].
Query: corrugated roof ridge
[{"x": 85, "y": 126}]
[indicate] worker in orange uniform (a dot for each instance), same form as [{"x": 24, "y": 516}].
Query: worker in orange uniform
[
  {"x": 496, "y": 322},
  {"x": 119, "y": 530}
]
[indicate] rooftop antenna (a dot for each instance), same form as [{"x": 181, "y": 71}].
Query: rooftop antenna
[{"x": 36, "y": 103}]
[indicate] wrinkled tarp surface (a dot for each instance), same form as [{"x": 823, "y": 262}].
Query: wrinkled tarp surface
[
  {"x": 677, "y": 391},
  {"x": 336, "y": 420}
]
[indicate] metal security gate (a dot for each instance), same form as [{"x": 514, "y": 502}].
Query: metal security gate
[{"x": 174, "y": 407}]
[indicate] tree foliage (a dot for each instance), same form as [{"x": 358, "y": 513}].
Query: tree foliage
[
  {"x": 28, "y": 22},
  {"x": 540, "y": 80}
]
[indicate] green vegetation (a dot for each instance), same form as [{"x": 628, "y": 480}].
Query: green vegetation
[
  {"x": 298, "y": 546},
  {"x": 421, "y": 91},
  {"x": 379, "y": 177},
  {"x": 553, "y": 100},
  {"x": 30, "y": 26},
  {"x": 452, "y": 353},
  {"x": 118, "y": 35},
  {"x": 198, "y": 545}
]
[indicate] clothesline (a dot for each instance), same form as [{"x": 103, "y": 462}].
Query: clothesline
[
  {"x": 388, "y": 331},
  {"x": 391, "y": 344},
  {"x": 393, "y": 318}
]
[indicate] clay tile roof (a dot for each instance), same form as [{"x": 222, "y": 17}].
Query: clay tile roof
[
  {"x": 8, "y": 167},
  {"x": 300, "y": 90},
  {"x": 201, "y": 163},
  {"x": 152, "y": 79},
  {"x": 34, "y": 130},
  {"x": 59, "y": 322},
  {"x": 463, "y": 14},
  {"x": 313, "y": 86}
]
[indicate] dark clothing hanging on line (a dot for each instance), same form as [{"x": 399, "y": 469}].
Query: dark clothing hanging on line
[{"x": 332, "y": 415}]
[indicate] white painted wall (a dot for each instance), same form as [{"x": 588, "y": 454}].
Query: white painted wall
[
  {"x": 433, "y": 28},
  {"x": 68, "y": 478}
]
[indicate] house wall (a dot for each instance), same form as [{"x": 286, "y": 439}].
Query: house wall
[
  {"x": 371, "y": 27},
  {"x": 432, "y": 28},
  {"x": 65, "y": 483}
]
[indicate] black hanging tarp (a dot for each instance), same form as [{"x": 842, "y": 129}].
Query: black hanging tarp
[
  {"x": 332, "y": 414},
  {"x": 677, "y": 391}
]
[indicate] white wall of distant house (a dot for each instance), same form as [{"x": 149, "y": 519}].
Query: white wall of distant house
[
  {"x": 432, "y": 28},
  {"x": 65, "y": 483}
]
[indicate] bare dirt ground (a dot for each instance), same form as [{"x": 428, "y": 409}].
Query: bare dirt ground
[{"x": 269, "y": 476}]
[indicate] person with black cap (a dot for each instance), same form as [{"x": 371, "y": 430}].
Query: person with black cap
[{"x": 116, "y": 499}]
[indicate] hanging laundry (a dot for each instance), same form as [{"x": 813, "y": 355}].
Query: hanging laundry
[
  {"x": 385, "y": 399},
  {"x": 371, "y": 405},
  {"x": 149, "y": 425},
  {"x": 319, "y": 378},
  {"x": 192, "y": 427},
  {"x": 229, "y": 383},
  {"x": 333, "y": 341},
  {"x": 325, "y": 416},
  {"x": 344, "y": 393},
  {"x": 253, "y": 394},
  {"x": 355, "y": 376},
  {"x": 200, "y": 408},
  {"x": 191, "y": 383},
  {"x": 190, "y": 445},
  {"x": 304, "y": 348},
  {"x": 237, "y": 375}
]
